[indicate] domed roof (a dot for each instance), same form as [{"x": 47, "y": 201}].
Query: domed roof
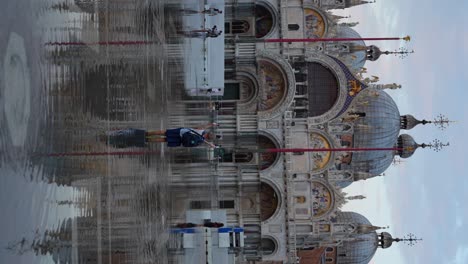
[
  {"x": 408, "y": 146},
  {"x": 379, "y": 128},
  {"x": 363, "y": 247},
  {"x": 385, "y": 240},
  {"x": 352, "y": 218},
  {"x": 409, "y": 122},
  {"x": 373, "y": 53},
  {"x": 357, "y": 58}
]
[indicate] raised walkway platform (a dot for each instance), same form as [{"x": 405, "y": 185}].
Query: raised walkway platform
[{"x": 204, "y": 57}]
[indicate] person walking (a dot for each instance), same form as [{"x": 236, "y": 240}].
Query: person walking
[
  {"x": 211, "y": 11},
  {"x": 214, "y": 32}
]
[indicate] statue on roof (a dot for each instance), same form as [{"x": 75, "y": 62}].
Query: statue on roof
[
  {"x": 372, "y": 79},
  {"x": 350, "y": 24}
]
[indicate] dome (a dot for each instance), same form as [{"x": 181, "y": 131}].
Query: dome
[
  {"x": 385, "y": 240},
  {"x": 373, "y": 53},
  {"x": 362, "y": 248},
  {"x": 357, "y": 57},
  {"x": 409, "y": 122},
  {"x": 351, "y": 218},
  {"x": 379, "y": 128},
  {"x": 408, "y": 146}
]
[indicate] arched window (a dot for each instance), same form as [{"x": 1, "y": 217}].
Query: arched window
[
  {"x": 263, "y": 21},
  {"x": 329, "y": 249},
  {"x": 300, "y": 199},
  {"x": 269, "y": 201},
  {"x": 268, "y": 246},
  {"x": 323, "y": 89},
  {"x": 243, "y": 157},
  {"x": 240, "y": 27},
  {"x": 329, "y": 260},
  {"x": 293, "y": 27}
]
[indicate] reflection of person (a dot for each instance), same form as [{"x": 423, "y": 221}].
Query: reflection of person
[
  {"x": 205, "y": 224},
  {"x": 132, "y": 137},
  {"x": 210, "y": 11},
  {"x": 176, "y": 137},
  {"x": 202, "y": 33},
  {"x": 124, "y": 138}
]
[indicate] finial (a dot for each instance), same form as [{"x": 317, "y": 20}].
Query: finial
[
  {"x": 397, "y": 161},
  {"x": 436, "y": 145},
  {"x": 356, "y": 197},
  {"x": 442, "y": 122},
  {"x": 407, "y": 38},
  {"x": 401, "y": 52},
  {"x": 409, "y": 239}
]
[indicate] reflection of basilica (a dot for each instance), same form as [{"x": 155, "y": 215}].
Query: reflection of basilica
[{"x": 293, "y": 95}]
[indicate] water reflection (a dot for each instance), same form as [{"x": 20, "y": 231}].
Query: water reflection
[{"x": 71, "y": 70}]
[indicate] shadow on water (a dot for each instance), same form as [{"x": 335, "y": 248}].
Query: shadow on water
[{"x": 61, "y": 88}]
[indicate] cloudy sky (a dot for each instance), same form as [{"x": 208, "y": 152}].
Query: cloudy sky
[{"x": 426, "y": 194}]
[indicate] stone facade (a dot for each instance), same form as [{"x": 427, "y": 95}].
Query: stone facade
[{"x": 305, "y": 187}]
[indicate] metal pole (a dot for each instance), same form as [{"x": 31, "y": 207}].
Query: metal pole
[
  {"x": 332, "y": 39},
  {"x": 278, "y": 150}
]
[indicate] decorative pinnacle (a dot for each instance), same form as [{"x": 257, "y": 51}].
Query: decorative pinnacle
[
  {"x": 397, "y": 161},
  {"x": 356, "y": 197},
  {"x": 409, "y": 239},
  {"x": 407, "y": 38},
  {"x": 442, "y": 122},
  {"x": 401, "y": 52},
  {"x": 436, "y": 145}
]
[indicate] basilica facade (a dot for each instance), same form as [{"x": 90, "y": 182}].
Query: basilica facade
[{"x": 293, "y": 95}]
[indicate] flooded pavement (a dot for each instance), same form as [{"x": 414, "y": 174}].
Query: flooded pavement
[{"x": 70, "y": 71}]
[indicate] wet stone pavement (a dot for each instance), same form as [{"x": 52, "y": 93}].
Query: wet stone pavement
[{"x": 70, "y": 71}]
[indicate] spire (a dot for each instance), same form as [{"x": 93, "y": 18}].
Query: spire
[
  {"x": 435, "y": 145},
  {"x": 401, "y": 52},
  {"x": 386, "y": 240},
  {"x": 408, "y": 122},
  {"x": 442, "y": 122},
  {"x": 356, "y": 197},
  {"x": 409, "y": 239},
  {"x": 351, "y": 3},
  {"x": 374, "y": 53},
  {"x": 366, "y": 229},
  {"x": 407, "y": 146}
]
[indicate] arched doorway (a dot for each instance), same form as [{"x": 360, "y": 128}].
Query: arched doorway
[
  {"x": 323, "y": 89},
  {"x": 269, "y": 201}
]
